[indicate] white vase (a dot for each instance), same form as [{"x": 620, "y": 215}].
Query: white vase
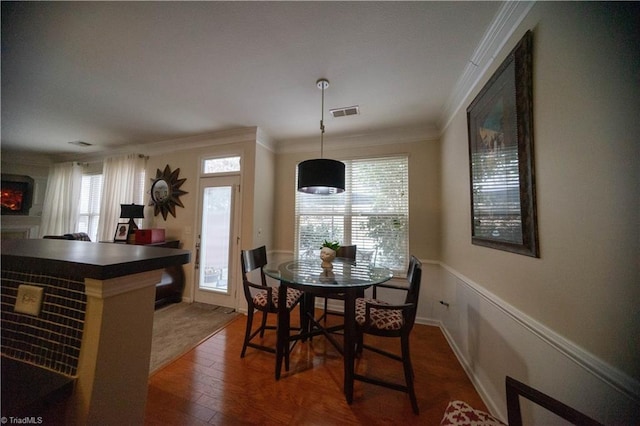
[{"x": 327, "y": 255}]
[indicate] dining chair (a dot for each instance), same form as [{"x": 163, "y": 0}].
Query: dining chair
[
  {"x": 397, "y": 284},
  {"x": 345, "y": 252},
  {"x": 261, "y": 297},
  {"x": 380, "y": 318}
]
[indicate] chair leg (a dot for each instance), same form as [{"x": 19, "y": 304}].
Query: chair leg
[
  {"x": 247, "y": 333},
  {"x": 408, "y": 372},
  {"x": 263, "y": 324},
  {"x": 359, "y": 341}
]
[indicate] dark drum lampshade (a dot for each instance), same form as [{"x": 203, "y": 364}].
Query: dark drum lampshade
[
  {"x": 321, "y": 176},
  {"x": 132, "y": 211}
]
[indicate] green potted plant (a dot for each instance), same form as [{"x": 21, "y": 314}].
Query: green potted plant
[{"x": 328, "y": 253}]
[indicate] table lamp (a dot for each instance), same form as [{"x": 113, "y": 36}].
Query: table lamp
[{"x": 131, "y": 211}]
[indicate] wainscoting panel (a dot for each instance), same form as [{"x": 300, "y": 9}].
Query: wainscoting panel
[{"x": 493, "y": 339}]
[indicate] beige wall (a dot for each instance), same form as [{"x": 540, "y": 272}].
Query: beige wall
[
  {"x": 262, "y": 231},
  {"x": 424, "y": 196},
  {"x": 586, "y": 285},
  {"x": 184, "y": 225}
]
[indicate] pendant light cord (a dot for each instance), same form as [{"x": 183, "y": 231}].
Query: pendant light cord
[{"x": 322, "y": 125}]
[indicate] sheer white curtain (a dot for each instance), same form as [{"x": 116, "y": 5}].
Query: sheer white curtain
[
  {"x": 123, "y": 179},
  {"x": 61, "y": 199}
]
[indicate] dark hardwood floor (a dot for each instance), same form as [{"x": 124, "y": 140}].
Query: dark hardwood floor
[{"x": 211, "y": 384}]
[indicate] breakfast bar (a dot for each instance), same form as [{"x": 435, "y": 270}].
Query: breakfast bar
[{"x": 89, "y": 317}]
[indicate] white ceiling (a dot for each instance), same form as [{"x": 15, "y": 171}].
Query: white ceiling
[{"x": 128, "y": 73}]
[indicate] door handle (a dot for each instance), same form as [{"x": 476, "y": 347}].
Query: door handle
[{"x": 197, "y": 263}]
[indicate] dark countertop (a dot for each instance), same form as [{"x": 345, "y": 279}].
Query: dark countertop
[{"x": 89, "y": 260}]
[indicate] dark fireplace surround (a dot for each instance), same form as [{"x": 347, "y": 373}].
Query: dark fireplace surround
[{"x": 17, "y": 194}]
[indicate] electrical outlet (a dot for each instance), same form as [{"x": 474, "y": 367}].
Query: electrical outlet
[{"x": 29, "y": 299}]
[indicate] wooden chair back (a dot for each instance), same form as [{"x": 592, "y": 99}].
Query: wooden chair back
[
  {"x": 347, "y": 252},
  {"x": 252, "y": 260},
  {"x": 516, "y": 389}
]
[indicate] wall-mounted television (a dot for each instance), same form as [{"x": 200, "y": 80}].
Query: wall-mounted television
[{"x": 16, "y": 194}]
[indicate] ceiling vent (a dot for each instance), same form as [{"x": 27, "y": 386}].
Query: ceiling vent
[{"x": 344, "y": 112}]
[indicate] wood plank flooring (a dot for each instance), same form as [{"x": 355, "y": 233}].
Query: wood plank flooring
[{"x": 211, "y": 384}]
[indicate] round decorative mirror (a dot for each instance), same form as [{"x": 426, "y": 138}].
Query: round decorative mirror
[
  {"x": 160, "y": 191},
  {"x": 166, "y": 192}
]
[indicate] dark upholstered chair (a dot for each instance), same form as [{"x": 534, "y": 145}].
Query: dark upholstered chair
[
  {"x": 516, "y": 389},
  {"x": 261, "y": 297},
  {"x": 397, "y": 285},
  {"x": 380, "y": 318},
  {"x": 347, "y": 252},
  {"x": 78, "y": 236},
  {"x": 459, "y": 412}
]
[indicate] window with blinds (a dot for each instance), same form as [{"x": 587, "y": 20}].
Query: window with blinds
[
  {"x": 372, "y": 213},
  {"x": 496, "y": 195},
  {"x": 90, "y": 202},
  {"x": 89, "y": 210}
]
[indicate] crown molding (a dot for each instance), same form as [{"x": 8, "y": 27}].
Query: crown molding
[
  {"x": 396, "y": 135},
  {"x": 265, "y": 140},
  {"x": 242, "y": 134},
  {"x": 503, "y": 26},
  {"x": 27, "y": 158},
  {"x": 224, "y": 137}
]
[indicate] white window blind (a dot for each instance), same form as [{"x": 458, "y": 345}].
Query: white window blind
[
  {"x": 372, "y": 213},
  {"x": 89, "y": 212}
]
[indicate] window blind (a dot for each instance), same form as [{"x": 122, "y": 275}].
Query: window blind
[{"x": 372, "y": 213}]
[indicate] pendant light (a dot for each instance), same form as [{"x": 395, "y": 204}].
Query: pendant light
[{"x": 321, "y": 175}]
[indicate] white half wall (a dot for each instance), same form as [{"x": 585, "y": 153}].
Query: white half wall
[{"x": 493, "y": 340}]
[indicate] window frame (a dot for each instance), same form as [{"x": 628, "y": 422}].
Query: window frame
[{"x": 352, "y": 210}]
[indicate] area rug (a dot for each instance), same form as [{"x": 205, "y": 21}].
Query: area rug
[{"x": 180, "y": 327}]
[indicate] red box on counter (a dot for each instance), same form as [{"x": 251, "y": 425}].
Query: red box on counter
[{"x": 149, "y": 236}]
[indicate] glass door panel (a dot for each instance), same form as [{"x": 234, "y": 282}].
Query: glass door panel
[{"x": 218, "y": 235}]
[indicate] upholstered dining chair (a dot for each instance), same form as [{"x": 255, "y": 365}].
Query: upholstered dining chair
[
  {"x": 394, "y": 284},
  {"x": 261, "y": 297},
  {"x": 379, "y": 318},
  {"x": 345, "y": 252}
]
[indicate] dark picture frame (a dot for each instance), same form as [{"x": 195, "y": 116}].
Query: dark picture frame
[
  {"x": 122, "y": 232},
  {"x": 165, "y": 192},
  {"x": 501, "y": 161}
]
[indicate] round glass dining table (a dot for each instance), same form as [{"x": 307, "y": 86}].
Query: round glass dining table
[
  {"x": 347, "y": 278},
  {"x": 308, "y": 275}
]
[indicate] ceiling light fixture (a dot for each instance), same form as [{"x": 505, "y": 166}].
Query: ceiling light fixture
[{"x": 321, "y": 175}]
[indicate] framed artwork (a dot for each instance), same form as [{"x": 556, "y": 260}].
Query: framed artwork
[
  {"x": 122, "y": 232},
  {"x": 501, "y": 161},
  {"x": 166, "y": 192}
]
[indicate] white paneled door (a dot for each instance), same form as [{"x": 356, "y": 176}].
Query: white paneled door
[{"x": 217, "y": 274}]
